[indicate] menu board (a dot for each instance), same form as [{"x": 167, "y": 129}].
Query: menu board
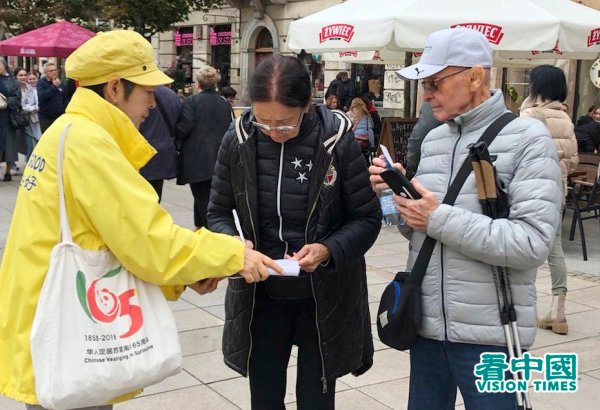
[{"x": 394, "y": 135}]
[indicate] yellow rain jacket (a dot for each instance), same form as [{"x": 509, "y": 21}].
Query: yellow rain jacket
[{"x": 110, "y": 206}]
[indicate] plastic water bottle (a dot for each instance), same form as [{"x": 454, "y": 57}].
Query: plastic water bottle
[{"x": 391, "y": 216}]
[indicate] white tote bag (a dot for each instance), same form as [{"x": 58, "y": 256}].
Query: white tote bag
[{"x": 99, "y": 332}]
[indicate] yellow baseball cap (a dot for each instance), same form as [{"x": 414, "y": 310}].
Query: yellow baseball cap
[{"x": 119, "y": 53}]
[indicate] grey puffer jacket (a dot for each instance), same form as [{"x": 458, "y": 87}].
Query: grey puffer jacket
[{"x": 458, "y": 292}]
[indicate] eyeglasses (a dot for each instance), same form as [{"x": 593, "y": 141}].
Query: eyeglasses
[
  {"x": 432, "y": 85},
  {"x": 279, "y": 128}
]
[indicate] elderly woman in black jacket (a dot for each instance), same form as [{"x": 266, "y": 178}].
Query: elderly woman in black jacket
[
  {"x": 297, "y": 179},
  {"x": 9, "y": 87},
  {"x": 204, "y": 120}
]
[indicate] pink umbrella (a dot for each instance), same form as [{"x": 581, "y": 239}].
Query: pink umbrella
[{"x": 54, "y": 40}]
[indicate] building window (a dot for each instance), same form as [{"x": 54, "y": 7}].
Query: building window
[
  {"x": 184, "y": 44},
  {"x": 220, "y": 42},
  {"x": 264, "y": 45}
]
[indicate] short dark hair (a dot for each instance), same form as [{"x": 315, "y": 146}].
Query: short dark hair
[
  {"x": 548, "y": 83},
  {"x": 228, "y": 92},
  {"x": 283, "y": 79},
  {"x": 592, "y": 109},
  {"x": 99, "y": 88}
]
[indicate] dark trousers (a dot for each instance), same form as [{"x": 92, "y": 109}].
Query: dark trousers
[
  {"x": 438, "y": 368},
  {"x": 201, "y": 191},
  {"x": 157, "y": 184},
  {"x": 276, "y": 326},
  {"x": 45, "y": 122}
]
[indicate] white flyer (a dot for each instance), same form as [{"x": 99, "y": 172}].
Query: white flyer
[{"x": 387, "y": 155}]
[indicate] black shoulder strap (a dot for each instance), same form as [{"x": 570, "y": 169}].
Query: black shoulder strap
[
  {"x": 420, "y": 266},
  {"x": 165, "y": 116}
]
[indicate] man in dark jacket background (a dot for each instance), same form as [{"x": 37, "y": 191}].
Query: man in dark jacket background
[
  {"x": 343, "y": 87},
  {"x": 204, "y": 120},
  {"x": 52, "y": 96},
  {"x": 426, "y": 123},
  {"x": 159, "y": 131}
]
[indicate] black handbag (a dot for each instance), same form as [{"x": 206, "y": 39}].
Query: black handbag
[
  {"x": 19, "y": 119},
  {"x": 399, "y": 314}
]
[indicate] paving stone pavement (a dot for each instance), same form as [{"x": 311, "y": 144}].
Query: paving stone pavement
[{"x": 205, "y": 383}]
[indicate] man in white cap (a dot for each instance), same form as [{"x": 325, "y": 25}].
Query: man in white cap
[
  {"x": 460, "y": 311},
  {"x": 109, "y": 204}
]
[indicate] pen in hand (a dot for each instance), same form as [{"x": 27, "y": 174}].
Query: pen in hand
[
  {"x": 238, "y": 226},
  {"x": 255, "y": 264}
]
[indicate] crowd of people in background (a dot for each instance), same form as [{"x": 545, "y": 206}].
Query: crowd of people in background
[
  {"x": 342, "y": 95},
  {"x": 38, "y": 99},
  {"x": 33, "y": 104}
]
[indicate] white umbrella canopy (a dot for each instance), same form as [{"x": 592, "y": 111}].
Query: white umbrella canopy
[
  {"x": 514, "y": 28},
  {"x": 387, "y": 56},
  {"x": 580, "y": 25}
]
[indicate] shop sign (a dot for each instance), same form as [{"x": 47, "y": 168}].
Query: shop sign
[
  {"x": 336, "y": 32},
  {"x": 595, "y": 73},
  {"x": 594, "y": 37},
  {"x": 220, "y": 38},
  {"x": 184, "y": 39},
  {"x": 492, "y": 32}
]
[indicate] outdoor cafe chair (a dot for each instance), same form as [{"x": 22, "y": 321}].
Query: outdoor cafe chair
[{"x": 584, "y": 201}]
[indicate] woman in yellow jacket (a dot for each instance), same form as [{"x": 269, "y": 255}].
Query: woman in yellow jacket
[{"x": 109, "y": 204}]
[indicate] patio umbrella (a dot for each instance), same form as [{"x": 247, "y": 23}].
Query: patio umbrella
[
  {"x": 515, "y": 28},
  {"x": 387, "y": 56},
  {"x": 54, "y": 40}
]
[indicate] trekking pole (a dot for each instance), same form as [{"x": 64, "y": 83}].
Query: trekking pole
[
  {"x": 479, "y": 182},
  {"x": 508, "y": 314}
]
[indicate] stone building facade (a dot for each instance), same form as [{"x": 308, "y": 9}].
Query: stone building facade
[{"x": 234, "y": 38}]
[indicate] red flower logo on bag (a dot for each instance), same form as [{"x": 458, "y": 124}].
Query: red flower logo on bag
[{"x": 101, "y": 305}]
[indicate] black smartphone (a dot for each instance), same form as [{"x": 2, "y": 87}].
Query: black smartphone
[{"x": 399, "y": 184}]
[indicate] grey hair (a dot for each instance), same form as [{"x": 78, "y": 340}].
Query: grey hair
[
  {"x": 208, "y": 78},
  {"x": 48, "y": 63}
]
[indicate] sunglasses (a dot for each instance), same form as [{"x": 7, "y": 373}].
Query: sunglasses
[{"x": 433, "y": 85}]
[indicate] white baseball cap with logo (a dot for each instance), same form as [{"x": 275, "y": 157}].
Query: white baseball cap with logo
[{"x": 460, "y": 47}]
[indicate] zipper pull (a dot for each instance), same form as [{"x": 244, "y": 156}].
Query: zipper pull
[{"x": 324, "y": 381}]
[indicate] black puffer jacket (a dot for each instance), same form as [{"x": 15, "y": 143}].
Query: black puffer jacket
[{"x": 342, "y": 212}]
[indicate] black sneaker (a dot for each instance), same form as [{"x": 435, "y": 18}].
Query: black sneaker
[{"x": 7, "y": 177}]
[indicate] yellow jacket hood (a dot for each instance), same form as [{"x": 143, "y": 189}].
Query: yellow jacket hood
[{"x": 133, "y": 145}]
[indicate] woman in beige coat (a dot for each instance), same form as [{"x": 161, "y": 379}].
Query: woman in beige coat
[{"x": 548, "y": 91}]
